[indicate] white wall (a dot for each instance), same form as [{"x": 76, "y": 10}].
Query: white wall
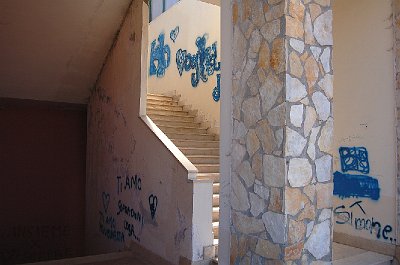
[
  {"x": 224, "y": 248},
  {"x": 364, "y": 109},
  {"x": 120, "y": 145},
  {"x": 194, "y": 19}
]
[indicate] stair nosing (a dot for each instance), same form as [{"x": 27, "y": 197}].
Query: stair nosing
[
  {"x": 171, "y": 115},
  {"x": 177, "y": 126},
  {"x": 202, "y": 156}
]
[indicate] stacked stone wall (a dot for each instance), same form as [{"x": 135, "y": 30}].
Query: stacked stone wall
[{"x": 282, "y": 92}]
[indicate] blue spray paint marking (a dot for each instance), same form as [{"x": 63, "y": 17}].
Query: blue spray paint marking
[
  {"x": 174, "y": 34},
  {"x": 204, "y": 62},
  {"x": 346, "y": 186},
  {"x": 354, "y": 158},
  {"x": 160, "y": 53},
  {"x": 216, "y": 94}
]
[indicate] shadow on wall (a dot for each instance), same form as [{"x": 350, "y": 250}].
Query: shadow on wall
[{"x": 42, "y": 164}]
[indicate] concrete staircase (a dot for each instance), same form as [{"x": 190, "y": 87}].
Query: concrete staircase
[{"x": 192, "y": 137}]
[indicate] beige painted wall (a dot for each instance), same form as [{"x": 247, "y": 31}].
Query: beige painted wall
[
  {"x": 364, "y": 107},
  {"x": 121, "y": 144},
  {"x": 194, "y": 18}
]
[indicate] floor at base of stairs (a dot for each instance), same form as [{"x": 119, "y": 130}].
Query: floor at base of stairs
[
  {"x": 346, "y": 255},
  {"x": 118, "y": 258},
  {"x": 342, "y": 255}
]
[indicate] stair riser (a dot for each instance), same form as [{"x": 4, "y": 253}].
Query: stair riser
[
  {"x": 171, "y": 118},
  {"x": 159, "y": 97},
  {"x": 204, "y": 160},
  {"x": 197, "y": 137},
  {"x": 182, "y": 130},
  {"x": 213, "y": 176},
  {"x": 215, "y": 188},
  {"x": 176, "y": 123},
  {"x": 216, "y": 232},
  {"x": 215, "y": 216},
  {"x": 163, "y": 107},
  {"x": 162, "y": 102},
  {"x": 215, "y": 200},
  {"x": 208, "y": 169},
  {"x": 195, "y": 144},
  {"x": 167, "y": 112},
  {"x": 200, "y": 151}
]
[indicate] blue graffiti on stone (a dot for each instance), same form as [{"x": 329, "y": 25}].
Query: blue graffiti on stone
[
  {"x": 160, "y": 56},
  {"x": 216, "y": 94},
  {"x": 354, "y": 158},
  {"x": 204, "y": 62},
  {"x": 358, "y": 186},
  {"x": 174, "y": 34}
]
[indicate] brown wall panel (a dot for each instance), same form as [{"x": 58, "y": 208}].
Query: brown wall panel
[{"x": 42, "y": 180}]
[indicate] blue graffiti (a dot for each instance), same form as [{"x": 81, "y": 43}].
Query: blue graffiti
[
  {"x": 346, "y": 186},
  {"x": 354, "y": 158},
  {"x": 174, "y": 34},
  {"x": 204, "y": 62},
  {"x": 160, "y": 53},
  {"x": 216, "y": 94}
]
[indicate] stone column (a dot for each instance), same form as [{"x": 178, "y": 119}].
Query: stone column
[{"x": 281, "y": 183}]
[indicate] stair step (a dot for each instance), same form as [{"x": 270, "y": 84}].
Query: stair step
[
  {"x": 177, "y": 129},
  {"x": 200, "y": 151},
  {"x": 195, "y": 144},
  {"x": 165, "y": 117},
  {"x": 159, "y": 97},
  {"x": 216, "y": 188},
  {"x": 215, "y": 214},
  {"x": 203, "y": 159},
  {"x": 213, "y": 176},
  {"x": 207, "y": 168},
  {"x": 162, "y": 102},
  {"x": 164, "y": 107},
  {"x": 215, "y": 229},
  {"x": 190, "y": 136},
  {"x": 180, "y": 113},
  {"x": 166, "y": 122},
  {"x": 215, "y": 200}
]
